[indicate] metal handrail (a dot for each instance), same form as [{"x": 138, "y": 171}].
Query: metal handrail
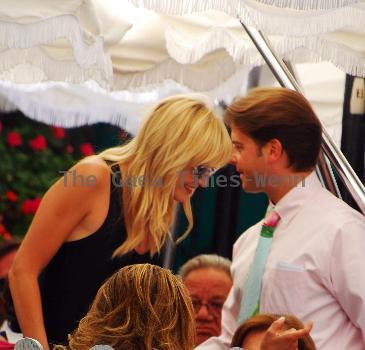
[{"x": 334, "y": 154}]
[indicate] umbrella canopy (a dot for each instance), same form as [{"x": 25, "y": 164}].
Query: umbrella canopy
[
  {"x": 207, "y": 52},
  {"x": 42, "y": 40},
  {"x": 318, "y": 31},
  {"x": 199, "y": 50},
  {"x": 274, "y": 15}
]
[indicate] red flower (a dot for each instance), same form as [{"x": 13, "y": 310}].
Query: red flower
[
  {"x": 27, "y": 207},
  {"x": 1, "y": 127},
  {"x": 58, "y": 133},
  {"x": 14, "y": 139},
  {"x": 39, "y": 143},
  {"x": 30, "y": 206},
  {"x": 86, "y": 149},
  {"x": 2, "y": 229},
  {"x": 36, "y": 203},
  {"x": 4, "y": 234},
  {"x": 11, "y": 196},
  {"x": 69, "y": 149}
]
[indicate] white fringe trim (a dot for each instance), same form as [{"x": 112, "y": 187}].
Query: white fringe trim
[
  {"x": 62, "y": 115},
  {"x": 298, "y": 50},
  {"x": 88, "y": 49},
  {"x": 318, "y": 49},
  {"x": 310, "y": 4},
  {"x": 243, "y": 51},
  {"x": 190, "y": 76},
  {"x": 235, "y": 7},
  {"x": 234, "y": 86},
  {"x": 52, "y": 69},
  {"x": 274, "y": 19},
  {"x": 53, "y": 103},
  {"x": 180, "y": 7},
  {"x": 277, "y": 21},
  {"x": 185, "y": 51}
]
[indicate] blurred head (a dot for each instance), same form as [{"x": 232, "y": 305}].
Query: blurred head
[
  {"x": 208, "y": 280},
  {"x": 250, "y": 334},
  {"x": 8, "y": 250},
  {"x": 180, "y": 136},
  {"x": 141, "y": 307},
  {"x": 273, "y": 130}
]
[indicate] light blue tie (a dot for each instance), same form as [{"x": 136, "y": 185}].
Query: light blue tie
[{"x": 250, "y": 302}]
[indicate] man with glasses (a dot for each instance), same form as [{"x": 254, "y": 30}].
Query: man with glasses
[{"x": 208, "y": 279}]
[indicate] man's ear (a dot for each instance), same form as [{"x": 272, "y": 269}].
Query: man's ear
[{"x": 274, "y": 150}]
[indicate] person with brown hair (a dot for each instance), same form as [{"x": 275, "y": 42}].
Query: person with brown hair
[
  {"x": 273, "y": 332},
  {"x": 140, "y": 307},
  {"x": 305, "y": 257}
]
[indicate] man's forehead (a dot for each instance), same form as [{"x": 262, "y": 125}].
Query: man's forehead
[
  {"x": 237, "y": 136},
  {"x": 209, "y": 293},
  {"x": 209, "y": 283}
]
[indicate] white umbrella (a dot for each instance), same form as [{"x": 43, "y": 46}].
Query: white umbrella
[
  {"x": 287, "y": 17},
  {"x": 67, "y": 105},
  {"x": 58, "y": 40},
  {"x": 207, "y": 52}
]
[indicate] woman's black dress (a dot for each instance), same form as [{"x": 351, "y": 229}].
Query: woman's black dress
[{"x": 71, "y": 280}]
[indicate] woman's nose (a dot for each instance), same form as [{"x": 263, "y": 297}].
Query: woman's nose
[{"x": 233, "y": 159}]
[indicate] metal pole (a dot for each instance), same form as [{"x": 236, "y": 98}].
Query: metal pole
[{"x": 284, "y": 77}]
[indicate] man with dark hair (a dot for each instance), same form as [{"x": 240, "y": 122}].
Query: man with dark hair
[{"x": 306, "y": 257}]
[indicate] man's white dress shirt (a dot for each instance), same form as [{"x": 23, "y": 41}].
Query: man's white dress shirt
[{"x": 315, "y": 269}]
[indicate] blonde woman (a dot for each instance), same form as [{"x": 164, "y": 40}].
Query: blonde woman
[
  {"x": 112, "y": 210},
  {"x": 141, "y": 307}
]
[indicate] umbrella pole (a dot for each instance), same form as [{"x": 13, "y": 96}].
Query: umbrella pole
[{"x": 335, "y": 156}]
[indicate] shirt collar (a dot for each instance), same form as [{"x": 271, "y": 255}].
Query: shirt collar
[{"x": 290, "y": 204}]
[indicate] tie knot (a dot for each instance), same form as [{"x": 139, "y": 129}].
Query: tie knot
[{"x": 272, "y": 219}]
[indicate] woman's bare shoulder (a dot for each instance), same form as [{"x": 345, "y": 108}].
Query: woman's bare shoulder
[
  {"x": 92, "y": 170},
  {"x": 94, "y": 162}
]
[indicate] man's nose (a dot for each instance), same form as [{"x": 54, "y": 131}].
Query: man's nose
[{"x": 203, "y": 313}]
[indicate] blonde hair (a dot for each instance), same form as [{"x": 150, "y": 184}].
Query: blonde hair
[
  {"x": 263, "y": 322},
  {"x": 140, "y": 307},
  {"x": 180, "y": 131}
]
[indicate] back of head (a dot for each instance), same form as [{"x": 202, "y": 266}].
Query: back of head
[
  {"x": 141, "y": 307},
  {"x": 262, "y": 322},
  {"x": 283, "y": 114},
  {"x": 8, "y": 246}
]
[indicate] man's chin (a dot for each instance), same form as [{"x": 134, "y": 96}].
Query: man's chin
[
  {"x": 203, "y": 335},
  {"x": 248, "y": 188},
  {"x": 201, "y": 338}
]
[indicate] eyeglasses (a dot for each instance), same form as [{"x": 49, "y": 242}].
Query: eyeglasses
[
  {"x": 213, "y": 307},
  {"x": 202, "y": 171}
]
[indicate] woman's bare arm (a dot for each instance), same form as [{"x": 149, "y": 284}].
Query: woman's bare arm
[{"x": 62, "y": 209}]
